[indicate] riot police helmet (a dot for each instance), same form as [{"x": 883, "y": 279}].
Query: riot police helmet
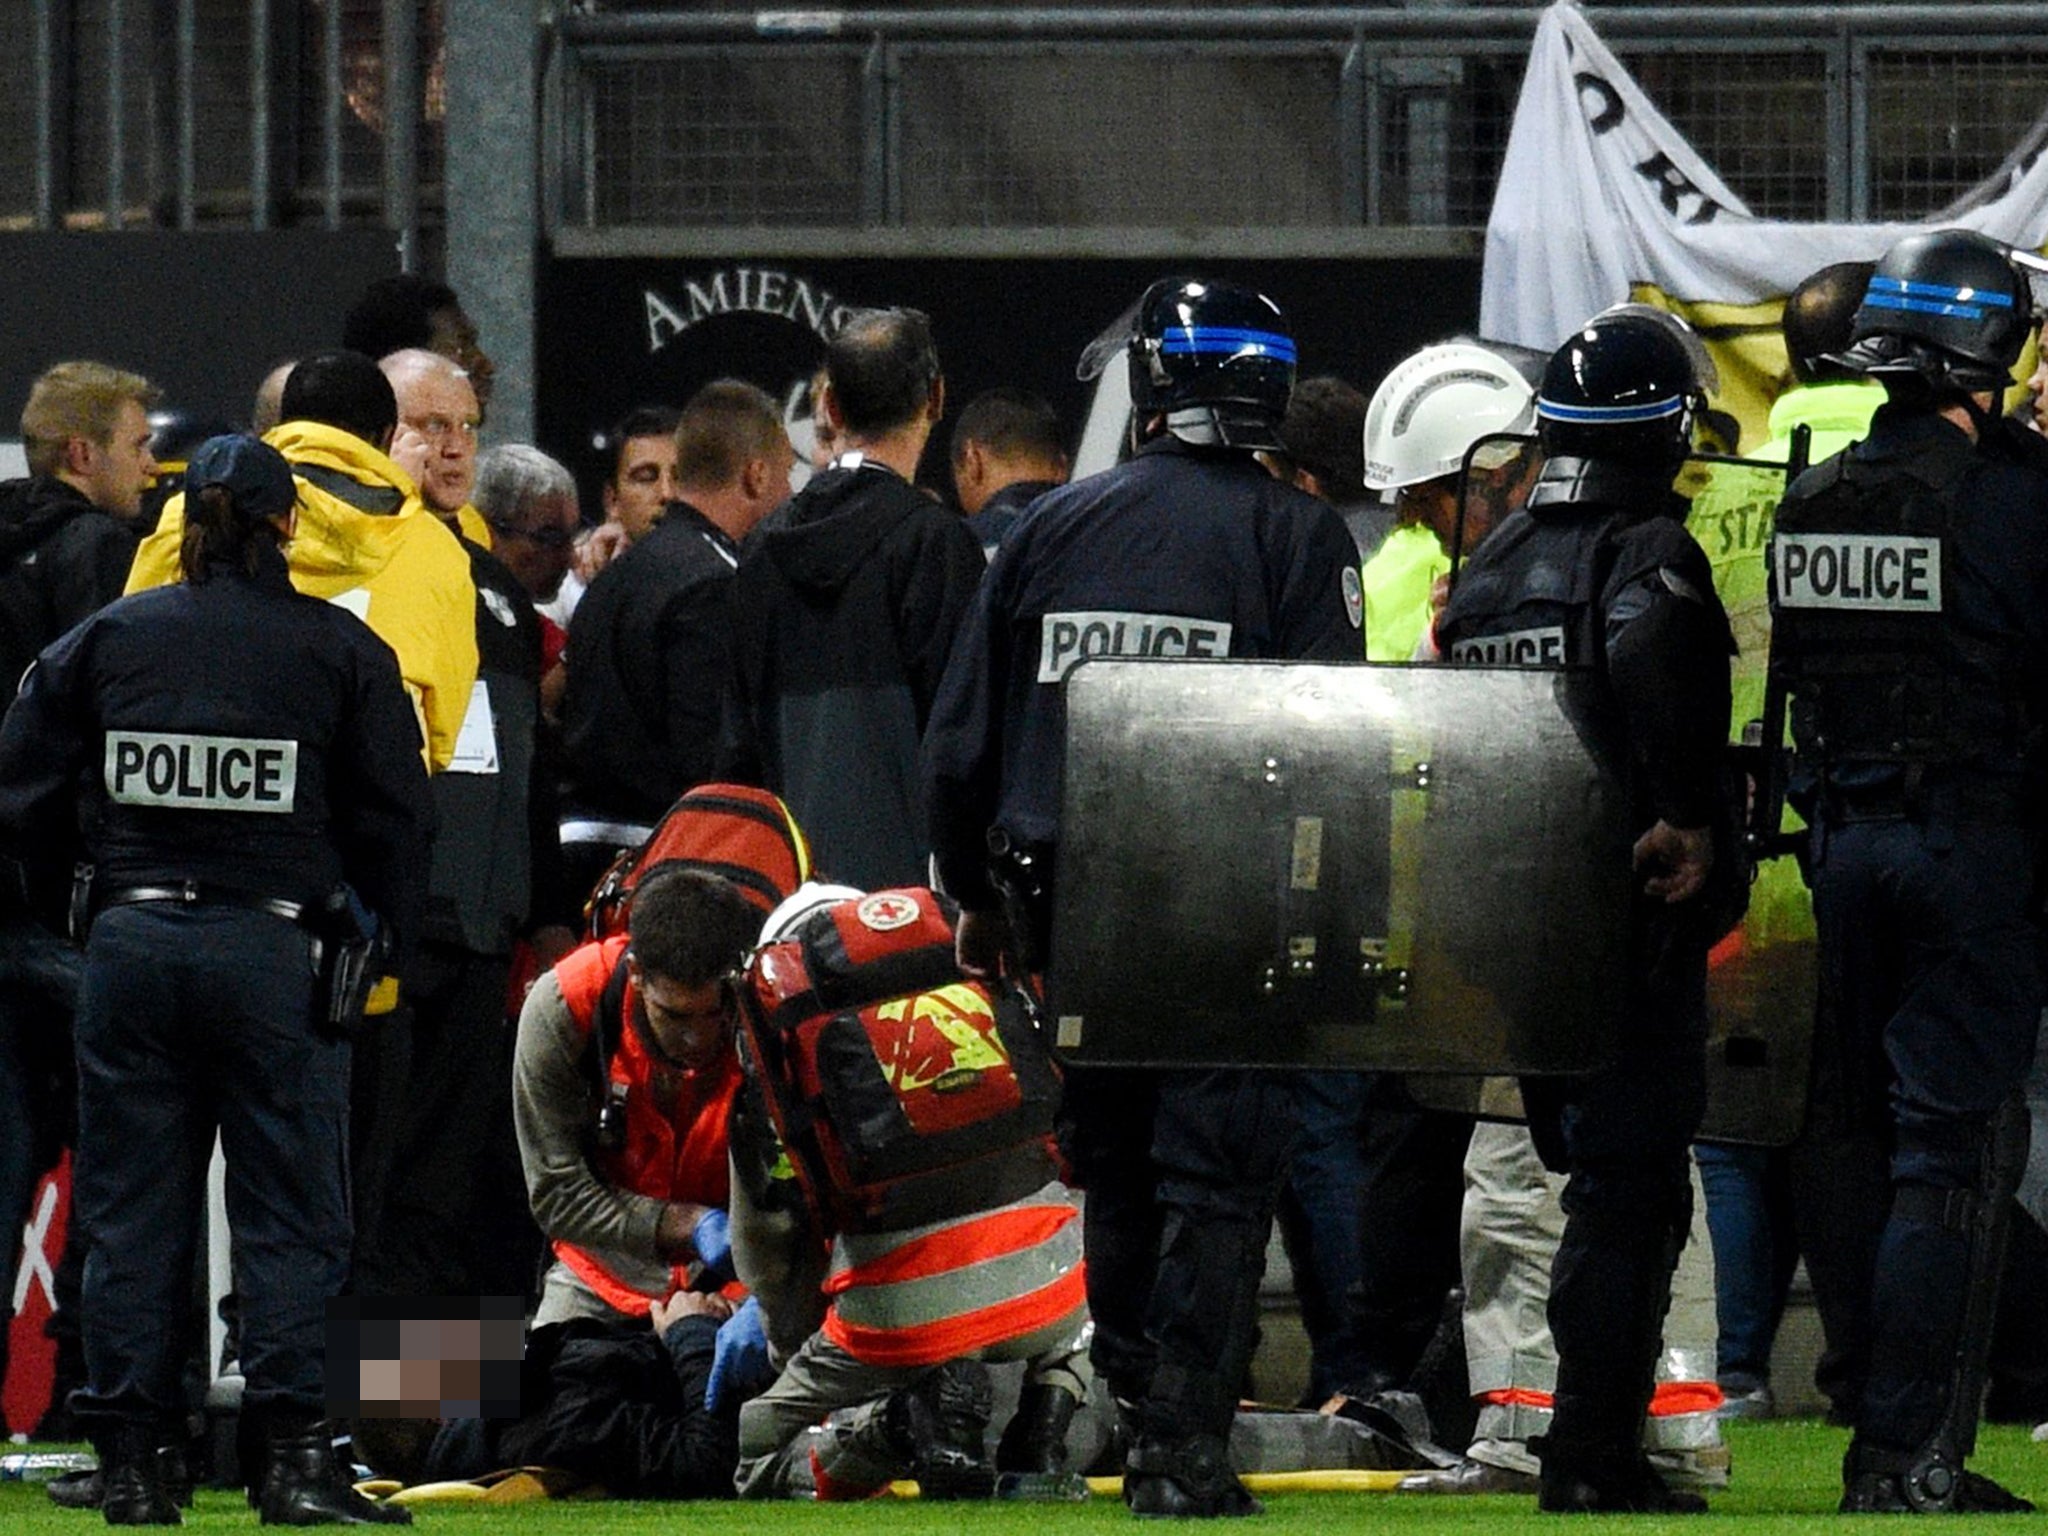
[
  {"x": 1215, "y": 358},
  {"x": 1624, "y": 388},
  {"x": 173, "y": 434},
  {"x": 1435, "y": 405},
  {"x": 1946, "y": 306}
]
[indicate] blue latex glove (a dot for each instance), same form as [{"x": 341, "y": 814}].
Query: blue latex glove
[
  {"x": 739, "y": 1362},
  {"x": 713, "y": 1241}
]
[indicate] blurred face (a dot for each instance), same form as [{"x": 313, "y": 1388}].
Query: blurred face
[
  {"x": 644, "y": 484},
  {"x": 436, "y": 441},
  {"x": 114, "y": 474},
  {"x": 538, "y": 550},
  {"x": 685, "y": 1025}
]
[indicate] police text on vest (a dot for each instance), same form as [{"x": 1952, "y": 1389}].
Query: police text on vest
[
  {"x": 1066, "y": 639},
  {"x": 202, "y": 773},
  {"x": 1885, "y": 572},
  {"x": 1518, "y": 648}
]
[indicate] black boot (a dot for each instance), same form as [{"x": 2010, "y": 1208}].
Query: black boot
[
  {"x": 1585, "y": 1482},
  {"x": 1185, "y": 1480},
  {"x": 939, "y": 1426},
  {"x": 1930, "y": 1481},
  {"x": 1031, "y": 1460},
  {"x": 88, "y": 1490},
  {"x": 303, "y": 1483},
  {"x": 132, "y": 1486}
]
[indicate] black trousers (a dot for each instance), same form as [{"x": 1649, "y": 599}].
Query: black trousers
[
  {"x": 1181, "y": 1169},
  {"x": 192, "y": 1021}
]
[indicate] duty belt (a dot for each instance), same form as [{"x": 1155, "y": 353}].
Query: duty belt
[{"x": 192, "y": 893}]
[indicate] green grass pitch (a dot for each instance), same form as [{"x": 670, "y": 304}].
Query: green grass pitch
[{"x": 1786, "y": 1479}]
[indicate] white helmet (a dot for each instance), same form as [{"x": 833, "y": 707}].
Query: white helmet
[{"x": 1434, "y": 406}]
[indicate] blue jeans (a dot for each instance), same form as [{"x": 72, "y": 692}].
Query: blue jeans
[{"x": 1749, "y": 1219}]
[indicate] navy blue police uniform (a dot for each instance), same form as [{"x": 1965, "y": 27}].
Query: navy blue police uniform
[
  {"x": 1183, "y": 552},
  {"x": 229, "y": 753},
  {"x": 1911, "y": 603},
  {"x": 1909, "y": 599},
  {"x": 1597, "y": 575}
]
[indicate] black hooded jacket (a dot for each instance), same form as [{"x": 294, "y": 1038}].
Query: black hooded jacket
[
  {"x": 845, "y": 608},
  {"x": 61, "y": 560}
]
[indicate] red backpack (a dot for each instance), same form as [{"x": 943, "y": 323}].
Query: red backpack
[
  {"x": 744, "y": 834},
  {"x": 902, "y": 1092}
]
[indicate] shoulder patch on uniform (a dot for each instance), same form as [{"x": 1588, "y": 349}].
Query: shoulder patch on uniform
[
  {"x": 1354, "y": 597},
  {"x": 1678, "y": 586}
]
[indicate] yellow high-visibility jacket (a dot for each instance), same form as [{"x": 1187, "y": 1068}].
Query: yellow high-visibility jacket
[{"x": 366, "y": 542}]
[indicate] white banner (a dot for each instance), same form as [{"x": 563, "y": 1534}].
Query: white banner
[{"x": 1601, "y": 198}]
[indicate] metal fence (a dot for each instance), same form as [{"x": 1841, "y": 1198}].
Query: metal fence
[
  {"x": 255, "y": 113},
  {"x": 188, "y": 114},
  {"x": 1287, "y": 118}
]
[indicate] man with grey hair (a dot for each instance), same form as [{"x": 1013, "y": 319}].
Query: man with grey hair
[
  {"x": 438, "y": 422},
  {"x": 453, "y": 1218},
  {"x": 529, "y": 500}
]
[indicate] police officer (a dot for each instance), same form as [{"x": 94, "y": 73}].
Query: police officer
[
  {"x": 235, "y": 753},
  {"x": 1188, "y": 549},
  {"x": 1598, "y": 574},
  {"x": 1909, "y": 596}
]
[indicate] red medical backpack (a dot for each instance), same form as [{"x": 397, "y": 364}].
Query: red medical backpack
[{"x": 902, "y": 1092}]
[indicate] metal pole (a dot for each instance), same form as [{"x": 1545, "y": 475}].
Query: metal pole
[
  {"x": 330, "y": 113},
  {"x": 188, "y": 114},
  {"x": 401, "y": 129},
  {"x": 1240, "y": 22},
  {"x": 117, "y": 137},
  {"x": 259, "y": 114},
  {"x": 46, "y": 116},
  {"x": 874, "y": 118},
  {"x": 1859, "y": 131},
  {"x": 1351, "y": 133},
  {"x": 1840, "y": 141}
]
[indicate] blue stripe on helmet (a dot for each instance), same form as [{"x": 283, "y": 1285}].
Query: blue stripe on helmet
[
  {"x": 1216, "y": 338},
  {"x": 1949, "y": 306},
  {"x": 1882, "y": 287},
  {"x": 1610, "y": 415}
]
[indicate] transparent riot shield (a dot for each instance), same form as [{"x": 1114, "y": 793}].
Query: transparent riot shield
[{"x": 1401, "y": 868}]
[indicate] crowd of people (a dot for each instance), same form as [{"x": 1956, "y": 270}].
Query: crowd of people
[{"x": 368, "y": 808}]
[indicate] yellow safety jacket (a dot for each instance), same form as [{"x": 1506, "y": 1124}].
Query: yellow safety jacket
[
  {"x": 1732, "y": 518},
  {"x": 365, "y": 542},
  {"x": 1397, "y": 582}
]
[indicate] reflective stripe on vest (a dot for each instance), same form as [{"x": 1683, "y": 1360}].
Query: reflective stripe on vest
[
  {"x": 681, "y": 1156},
  {"x": 618, "y": 1294},
  {"x": 944, "y": 1290}
]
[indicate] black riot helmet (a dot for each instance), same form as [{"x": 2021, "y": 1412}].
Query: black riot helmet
[
  {"x": 173, "y": 434},
  {"x": 1624, "y": 388},
  {"x": 1947, "y": 306},
  {"x": 1214, "y": 357}
]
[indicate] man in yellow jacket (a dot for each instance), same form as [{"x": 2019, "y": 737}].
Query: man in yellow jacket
[{"x": 365, "y": 541}]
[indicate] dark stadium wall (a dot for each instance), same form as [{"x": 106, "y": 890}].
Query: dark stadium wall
[
  {"x": 618, "y": 332},
  {"x": 204, "y": 315}
]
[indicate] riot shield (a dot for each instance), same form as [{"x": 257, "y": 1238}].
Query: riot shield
[
  {"x": 1397, "y": 868},
  {"x": 1762, "y": 979}
]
